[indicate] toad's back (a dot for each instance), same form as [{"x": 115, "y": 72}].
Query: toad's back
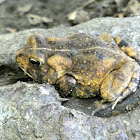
[{"x": 92, "y": 59}]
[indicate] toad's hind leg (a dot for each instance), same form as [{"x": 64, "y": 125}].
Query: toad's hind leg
[
  {"x": 120, "y": 83},
  {"x": 123, "y": 45},
  {"x": 127, "y": 48}
]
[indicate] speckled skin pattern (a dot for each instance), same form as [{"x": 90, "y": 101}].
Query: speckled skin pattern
[{"x": 82, "y": 65}]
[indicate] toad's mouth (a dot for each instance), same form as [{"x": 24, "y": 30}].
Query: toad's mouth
[{"x": 26, "y": 72}]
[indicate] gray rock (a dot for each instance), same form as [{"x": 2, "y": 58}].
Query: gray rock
[
  {"x": 32, "y": 111},
  {"x": 2, "y": 1}
]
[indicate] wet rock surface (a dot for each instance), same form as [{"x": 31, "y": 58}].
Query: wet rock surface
[{"x": 33, "y": 111}]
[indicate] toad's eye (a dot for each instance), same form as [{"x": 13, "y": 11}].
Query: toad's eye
[{"x": 34, "y": 62}]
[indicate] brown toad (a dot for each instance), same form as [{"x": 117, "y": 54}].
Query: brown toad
[{"x": 82, "y": 65}]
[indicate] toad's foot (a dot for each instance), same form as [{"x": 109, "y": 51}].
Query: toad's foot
[
  {"x": 120, "y": 83},
  {"x": 101, "y": 105}
]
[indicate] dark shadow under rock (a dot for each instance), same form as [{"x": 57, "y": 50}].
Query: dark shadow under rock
[{"x": 88, "y": 106}]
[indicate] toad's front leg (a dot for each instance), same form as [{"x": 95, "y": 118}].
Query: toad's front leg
[
  {"x": 68, "y": 85},
  {"x": 120, "y": 83},
  {"x": 65, "y": 85}
]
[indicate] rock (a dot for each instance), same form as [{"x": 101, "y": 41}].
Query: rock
[
  {"x": 133, "y": 7},
  {"x": 35, "y": 19},
  {"x": 33, "y": 111},
  {"x": 78, "y": 16},
  {"x": 24, "y": 9},
  {"x": 2, "y": 1}
]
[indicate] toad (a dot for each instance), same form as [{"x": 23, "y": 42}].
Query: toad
[{"x": 83, "y": 65}]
